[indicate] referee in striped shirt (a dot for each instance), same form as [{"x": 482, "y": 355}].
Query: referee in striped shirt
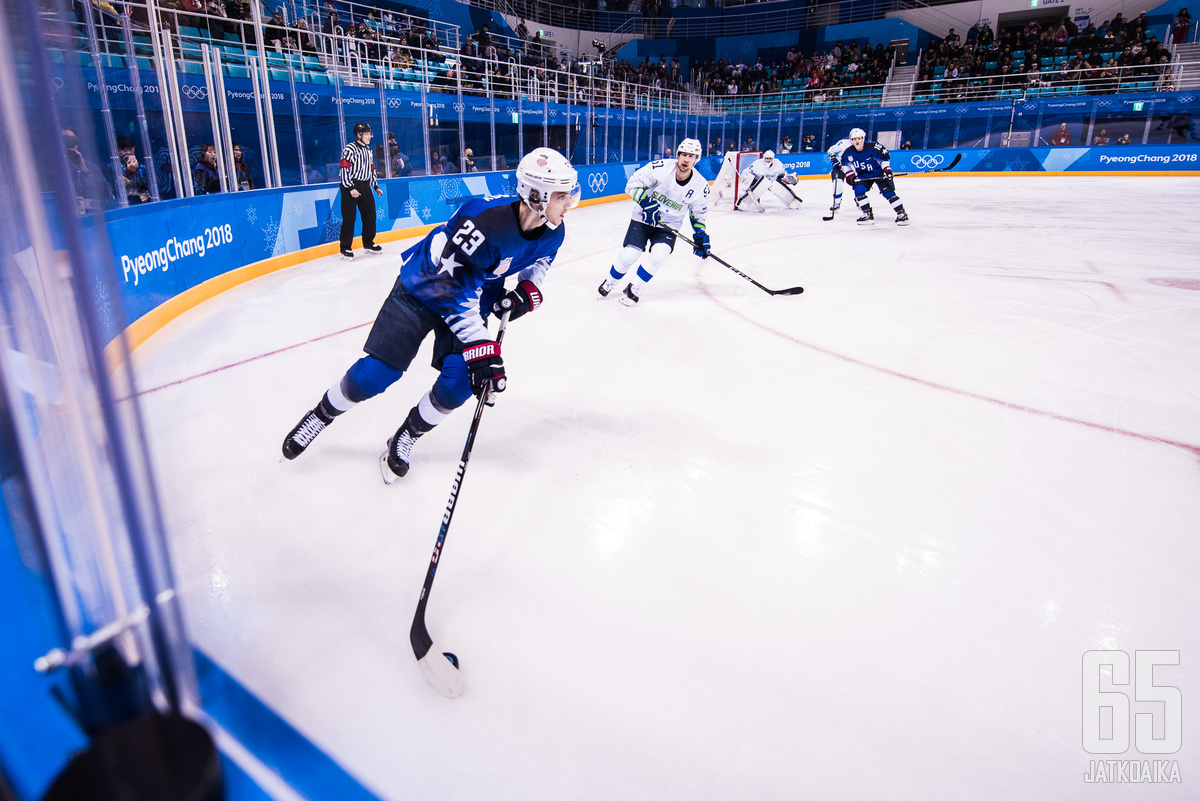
[{"x": 358, "y": 181}]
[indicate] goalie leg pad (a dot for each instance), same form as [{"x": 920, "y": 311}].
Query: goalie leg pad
[{"x": 785, "y": 194}]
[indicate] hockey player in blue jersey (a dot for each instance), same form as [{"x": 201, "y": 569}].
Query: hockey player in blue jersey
[
  {"x": 865, "y": 164},
  {"x": 448, "y": 283}
]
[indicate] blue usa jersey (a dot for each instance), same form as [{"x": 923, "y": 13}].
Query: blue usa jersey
[
  {"x": 466, "y": 259},
  {"x": 869, "y": 163}
]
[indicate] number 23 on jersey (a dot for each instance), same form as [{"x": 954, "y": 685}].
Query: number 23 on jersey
[{"x": 468, "y": 237}]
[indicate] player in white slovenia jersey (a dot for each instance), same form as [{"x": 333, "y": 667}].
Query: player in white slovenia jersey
[
  {"x": 666, "y": 192},
  {"x": 839, "y": 179},
  {"x": 767, "y": 174}
]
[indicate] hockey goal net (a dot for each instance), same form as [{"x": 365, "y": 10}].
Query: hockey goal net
[{"x": 727, "y": 188}]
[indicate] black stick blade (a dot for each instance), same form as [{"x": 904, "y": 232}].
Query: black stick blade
[{"x": 795, "y": 290}]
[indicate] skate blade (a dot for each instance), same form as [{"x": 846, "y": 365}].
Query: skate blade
[{"x": 389, "y": 477}]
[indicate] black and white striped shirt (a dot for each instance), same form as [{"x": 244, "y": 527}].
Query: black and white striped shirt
[{"x": 358, "y": 164}]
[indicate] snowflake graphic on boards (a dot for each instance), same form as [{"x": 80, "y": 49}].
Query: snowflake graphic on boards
[
  {"x": 426, "y": 213},
  {"x": 449, "y": 191},
  {"x": 251, "y": 214},
  {"x": 271, "y": 231},
  {"x": 333, "y": 228},
  {"x": 410, "y": 207}
]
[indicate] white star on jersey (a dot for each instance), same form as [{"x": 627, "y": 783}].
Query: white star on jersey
[{"x": 447, "y": 264}]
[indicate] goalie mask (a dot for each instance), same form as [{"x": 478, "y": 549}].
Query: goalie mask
[{"x": 540, "y": 174}]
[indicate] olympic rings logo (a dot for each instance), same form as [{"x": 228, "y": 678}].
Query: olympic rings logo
[
  {"x": 194, "y": 92},
  {"x": 459, "y": 107},
  {"x": 928, "y": 162},
  {"x": 394, "y": 102},
  {"x": 308, "y": 98},
  {"x": 597, "y": 181}
]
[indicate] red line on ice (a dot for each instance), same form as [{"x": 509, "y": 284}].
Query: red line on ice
[{"x": 1194, "y": 449}]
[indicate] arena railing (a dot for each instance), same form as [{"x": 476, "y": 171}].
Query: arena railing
[
  {"x": 1057, "y": 82},
  {"x": 681, "y": 26},
  {"x": 452, "y": 104}
]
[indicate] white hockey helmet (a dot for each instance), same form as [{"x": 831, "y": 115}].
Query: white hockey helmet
[
  {"x": 770, "y": 154},
  {"x": 690, "y": 147},
  {"x": 858, "y": 133},
  {"x": 541, "y": 173}
]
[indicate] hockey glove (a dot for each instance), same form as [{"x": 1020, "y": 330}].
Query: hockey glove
[
  {"x": 887, "y": 172},
  {"x": 651, "y": 210},
  {"x": 485, "y": 365},
  {"x": 521, "y": 299},
  {"x": 789, "y": 179},
  {"x": 849, "y": 176},
  {"x": 701, "y": 246}
]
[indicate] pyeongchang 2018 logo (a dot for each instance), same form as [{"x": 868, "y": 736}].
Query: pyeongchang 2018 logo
[
  {"x": 1157, "y": 730},
  {"x": 928, "y": 162},
  {"x": 597, "y": 181}
]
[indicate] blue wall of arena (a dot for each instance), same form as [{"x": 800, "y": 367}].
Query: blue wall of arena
[
  {"x": 618, "y": 135},
  {"x": 169, "y": 256}
]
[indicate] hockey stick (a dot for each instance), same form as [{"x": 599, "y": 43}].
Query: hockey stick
[
  {"x": 950, "y": 166},
  {"x": 441, "y": 667},
  {"x": 794, "y": 290}
]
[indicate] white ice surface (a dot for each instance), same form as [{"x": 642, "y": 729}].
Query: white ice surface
[{"x": 846, "y": 545}]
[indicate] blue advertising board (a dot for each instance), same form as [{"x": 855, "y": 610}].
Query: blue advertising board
[{"x": 164, "y": 249}]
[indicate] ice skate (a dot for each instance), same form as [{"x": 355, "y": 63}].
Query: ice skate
[
  {"x": 393, "y": 463},
  {"x": 606, "y": 288},
  {"x": 630, "y": 296},
  {"x": 347, "y": 255},
  {"x": 373, "y": 249},
  {"x": 902, "y": 218},
  {"x": 868, "y": 218},
  {"x": 305, "y": 432}
]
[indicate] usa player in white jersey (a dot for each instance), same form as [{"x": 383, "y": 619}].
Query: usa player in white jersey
[
  {"x": 767, "y": 174},
  {"x": 866, "y": 164},
  {"x": 835, "y": 156},
  {"x": 666, "y": 191},
  {"x": 449, "y": 282}
]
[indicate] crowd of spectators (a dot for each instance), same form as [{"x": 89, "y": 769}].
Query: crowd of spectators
[
  {"x": 1035, "y": 56},
  {"x": 843, "y": 66}
]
